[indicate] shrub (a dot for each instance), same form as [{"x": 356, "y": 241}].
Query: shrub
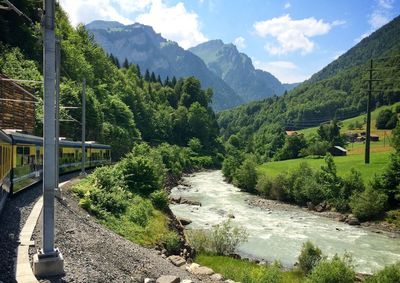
[
  {"x": 398, "y": 108},
  {"x": 246, "y": 176},
  {"x": 141, "y": 212},
  {"x": 336, "y": 270},
  {"x": 389, "y": 274},
  {"x": 225, "y": 238},
  {"x": 141, "y": 173},
  {"x": 386, "y": 119},
  {"x": 171, "y": 242},
  {"x": 159, "y": 199},
  {"x": 100, "y": 201},
  {"x": 393, "y": 216},
  {"x": 318, "y": 148},
  {"x": 395, "y": 141},
  {"x": 309, "y": 257},
  {"x": 199, "y": 240},
  {"x": 369, "y": 204},
  {"x": 105, "y": 178}
]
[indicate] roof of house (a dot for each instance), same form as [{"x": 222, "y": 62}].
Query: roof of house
[{"x": 340, "y": 148}]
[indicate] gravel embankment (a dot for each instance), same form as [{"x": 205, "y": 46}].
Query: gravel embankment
[
  {"x": 12, "y": 220},
  {"x": 92, "y": 253}
]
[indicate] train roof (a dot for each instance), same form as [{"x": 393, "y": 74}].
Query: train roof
[
  {"x": 4, "y": 137},
  {"x": 29, "y": 139}
]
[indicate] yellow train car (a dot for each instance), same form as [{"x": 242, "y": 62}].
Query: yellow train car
[
  {"x": 5, "y": 167},
  {"x": 26, "y": 158}
]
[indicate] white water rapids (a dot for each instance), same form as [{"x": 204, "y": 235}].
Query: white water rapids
[{"x": 278, "y": 234}]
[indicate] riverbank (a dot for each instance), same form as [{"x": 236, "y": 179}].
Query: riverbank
[
  {"x": 379, "y": 227},
  {"x": 278, "y": 230}
]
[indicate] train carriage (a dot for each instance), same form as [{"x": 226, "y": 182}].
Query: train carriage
[
  {"x": 21, "y": 160},
  {"x": 5, "y": 167}
]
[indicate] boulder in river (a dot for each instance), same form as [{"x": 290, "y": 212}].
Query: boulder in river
[
  {"x": 310, "y": 206},
  {"x": 190, "y": 202},
  {"x": 352, "y": 220},
  {"x": 184, "y": 221},
  {"x": 168, "y": 279},
  {"x": 177, "y": 260}
]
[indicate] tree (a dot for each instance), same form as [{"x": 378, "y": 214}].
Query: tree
[
  {"x": 396, "y": 138},
  {"x": 147, "y": 76},
  {"x": 153, "y": 77},
  {"x": 246, "y": 176},
  {"x": 331, "y": 133},
  {"x": 386, "y": 119},
  {"x": 126, "y": 64},
  {"x": 292, "y": 147}
]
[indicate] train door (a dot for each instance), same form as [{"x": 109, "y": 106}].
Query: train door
[{"x": 37, "y": 162}]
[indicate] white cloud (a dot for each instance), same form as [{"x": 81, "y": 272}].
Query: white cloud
[
  {"x": 287, "y": 5},
  {"x": 285, "y": 71},
  {"x": 239, "y": 42},
  {"x": 381, "y": 15},
  {"x": 85, "y": 11},
  {"x": 292, "y": 35},
  {"x": 174, "y": 23}
]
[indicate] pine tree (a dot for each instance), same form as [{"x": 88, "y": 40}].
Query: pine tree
[
  {"x": 153, "y": 77},
  {"x": 126, "y": 63},
  {"x": 173, "y": 82},
  {"x": 159, "y": 79},
  {"x": 139, "y": 73},
  {"x": 147, "y": 76},
  {"x": 167, "y": 82}
]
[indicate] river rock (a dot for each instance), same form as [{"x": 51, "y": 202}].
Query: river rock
[
  {"x": 352, "y": 220},
  {"x": 184, "y": 221},
  {"x": 190, "y": 202},
  {"x": 235, "y": 256},
  {"x": 175, "y": 199},
  {"x": 186, "y": 281},
  {"x": 168, "y": 279},
  {"x": 216, "y": 277},
  {"x": 310, "y": 206},
  {"x": 230, "y": 215},
  {"x": 196, "y": 269},
  {"x": 149, "y": 280},
  {"x": 341, "y": 218},
  {"x": 177, "y": 260},
  {"x": 319, "y": 208}
]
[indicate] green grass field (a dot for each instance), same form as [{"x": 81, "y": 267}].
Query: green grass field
[
  {"x": 360, "y": 119},
  {"x": 343, "y": 164}
]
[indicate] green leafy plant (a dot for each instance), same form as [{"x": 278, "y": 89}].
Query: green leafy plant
[{"x": 309, "y": 257}]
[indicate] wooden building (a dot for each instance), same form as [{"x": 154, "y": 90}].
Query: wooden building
[
  {"x": 17, "y": 107},
  {"x": 337, "y": 151}
]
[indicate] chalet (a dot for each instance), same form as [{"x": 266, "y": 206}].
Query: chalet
[
  {"x": 337, "y": 151},
  {"x": 17, "y": 106}
]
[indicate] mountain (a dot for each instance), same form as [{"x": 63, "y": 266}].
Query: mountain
[
  {"x": 337, "y": 91},
  {"x": 141, "y": 45},
  {"x": 289, "y": 87},
  {"x": 237, "y": 70}
]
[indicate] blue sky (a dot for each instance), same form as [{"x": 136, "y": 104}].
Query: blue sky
[{"x": 291, "y": 39}]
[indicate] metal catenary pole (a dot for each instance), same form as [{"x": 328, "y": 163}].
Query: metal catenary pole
[
  {"x": 57, "y": 151},
  {"x": 368, "y": 132},
  {"x": 49, "y": 162},
  {"x": 83, "y": 126}
]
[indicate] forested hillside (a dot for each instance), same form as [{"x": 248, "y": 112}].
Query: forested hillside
[
  {"x": 338, "y": 91},
  {"x": 124, "y": 105},
  {"x": 141, "y": 45}
]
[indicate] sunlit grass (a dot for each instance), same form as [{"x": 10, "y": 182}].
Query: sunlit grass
[
  {"x": 242, "y": 270},
  {"x": 378, "y": 162}
]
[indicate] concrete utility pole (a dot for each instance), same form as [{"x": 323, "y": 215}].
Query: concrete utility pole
[
  {"x": 49, "y": 261},
  {"x": 368, "y": 133},
  {"x": 83, "y": 172}
]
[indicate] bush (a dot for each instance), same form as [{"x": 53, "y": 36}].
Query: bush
[
  {"x": 309, "y": 257},
  {"x": 336, "y": 270},
  {"x": 393, "y": 216},
  {"x": 142, "y": 172},
  {"x": 199, "y": 240},
  {"x": 105, "y": 178},
  {"x": 246, "y": 176},
  {"x": 398, "y": 108},
  {"x": 223, "y": 239},
  {"x": 389, "y": 274},
  {"x": 318, "y": 148},
  {"x": 171, "y": 242},
  {"x": 386, "y": 119},
  {"x": 272, "y": 274},
  {"x": 369, "y": 204},
  {"x": 141, "y": 212},
  {"x": 226, "y": 238},
  {"x": 395, "y": 141},
  {"x": 100, "y": 202},
  {"x": 159, "y": 199}
]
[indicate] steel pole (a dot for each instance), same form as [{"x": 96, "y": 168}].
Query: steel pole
[
  {"x": 83, "y": 126},
  {"x": 49, "y": 127},
  {"x": 57, "y": 151}
]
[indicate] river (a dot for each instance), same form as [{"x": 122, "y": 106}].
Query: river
[{"x": 278, "y": 234}]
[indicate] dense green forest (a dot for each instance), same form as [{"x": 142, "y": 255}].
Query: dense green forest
[
  {"x": 339, "y": 91},
  {"x": 125, "y": 105}
]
